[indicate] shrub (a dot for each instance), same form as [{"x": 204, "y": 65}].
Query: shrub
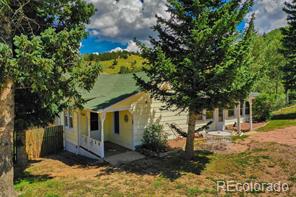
[
  {"x": 263, "y": 107},
  {"x": 123, "y": 70},
  {"x": 154, "y": 138}
]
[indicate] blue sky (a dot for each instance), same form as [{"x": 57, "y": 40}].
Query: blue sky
[
  {"x": 93, "y": 44},
  {"x": 117, "y": 22}
]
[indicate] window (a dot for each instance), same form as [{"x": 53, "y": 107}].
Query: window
[
  {"x": 68, "y": 119},
  {"x": 116, "y": 122},
  {"x": 209, "y": 115},
  {"x": 94, "y": 121}
]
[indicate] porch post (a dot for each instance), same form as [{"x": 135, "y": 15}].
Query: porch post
[
  {"x": 88, "y": 123},
  {"x": 244, "y": 109},
  {"x": 224, "y": 118},
  {"x": 216, "y": 117},
  {"x": 251, "y": 114},
  {"x": 78, "y": 129},
  {"x": 238, "y": 115},
  {"x": 102, "y": 134}
]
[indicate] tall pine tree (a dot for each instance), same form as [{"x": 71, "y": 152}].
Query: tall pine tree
[
  {"x": 39, "y": 59},
  {"x": 289, "y": 48},
  {"x": 201, "y": 56}
]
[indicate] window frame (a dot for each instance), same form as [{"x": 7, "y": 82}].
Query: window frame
[
  {"x": 97, "y": 119},
  {"x": 68, "y": 119}
]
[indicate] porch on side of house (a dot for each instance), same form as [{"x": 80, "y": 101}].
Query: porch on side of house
[{"x": 98, "y": 128}]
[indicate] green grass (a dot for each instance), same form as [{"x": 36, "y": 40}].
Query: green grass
[
  {"x": 39, "y": 186},
  {"x": 277, "y": 124},
  {"x": 236, "y": 138},
  {"x": 282, "y": 118}
]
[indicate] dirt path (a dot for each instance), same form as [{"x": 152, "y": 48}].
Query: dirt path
[{"x": 286, "y": 136}]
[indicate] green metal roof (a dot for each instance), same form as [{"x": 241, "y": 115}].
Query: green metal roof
[{"x": 110, "y": 89}]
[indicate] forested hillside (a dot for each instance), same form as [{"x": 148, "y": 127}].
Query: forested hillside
[{"x": 268, "y": 63}]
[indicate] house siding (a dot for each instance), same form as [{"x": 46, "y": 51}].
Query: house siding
[
  {"x": 71, "y": 134},
  {"x": 148, "y": 111},
  {"x": 125, "y": 136}
]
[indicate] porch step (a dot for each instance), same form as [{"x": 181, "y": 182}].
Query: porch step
[{"x": 124, "y": 158}]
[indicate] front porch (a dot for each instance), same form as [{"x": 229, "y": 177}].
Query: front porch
[{"x": 104, "y": 134}]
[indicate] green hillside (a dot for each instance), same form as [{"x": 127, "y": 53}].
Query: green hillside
[
  {"x": 117, "y": 62},
  {"x": 132, "y": 63}
]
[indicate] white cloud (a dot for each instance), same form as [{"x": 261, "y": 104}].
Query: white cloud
[
  {"x": 117, "y": 49},
  {"x": 131, "y": 47},
  {"x": 124, "y": 20},
  {"x": 269, "y": 15}
]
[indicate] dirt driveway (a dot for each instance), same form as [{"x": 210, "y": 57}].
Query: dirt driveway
[{"x": 286, "y": 136}]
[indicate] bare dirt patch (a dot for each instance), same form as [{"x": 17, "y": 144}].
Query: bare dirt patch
[{"x": 286, "y": 136}]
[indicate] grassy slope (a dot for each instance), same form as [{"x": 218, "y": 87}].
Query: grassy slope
[
  {"x": 122, "y": 62},
  {"x": 281, "y": 119}
]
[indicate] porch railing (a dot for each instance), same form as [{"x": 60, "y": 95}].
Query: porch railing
[{"x": 91, "y": 144}]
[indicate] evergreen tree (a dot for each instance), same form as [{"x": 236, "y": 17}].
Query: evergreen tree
[
  {"x": 200, "y": 59},
  {"x": 39, "y": 57},
  {"x": 289, "y": 48}
]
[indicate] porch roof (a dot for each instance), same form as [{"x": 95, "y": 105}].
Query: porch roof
[{"x": 110, "y": 89}]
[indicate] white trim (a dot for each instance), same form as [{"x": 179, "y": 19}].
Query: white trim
[
  {"x": 119, "y": 109},
  {"x": 102, "y": 147}
]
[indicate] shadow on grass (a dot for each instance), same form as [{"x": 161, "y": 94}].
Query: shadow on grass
[
  {"x": 171, "y": 167},
  {"x": 71, "y": 159},
  {"x": 289, "y": 116},
  {"x": 28, "y": 178}
]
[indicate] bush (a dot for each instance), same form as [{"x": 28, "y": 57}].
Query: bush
[
  {"x": 263, "y": 107},
  {"x": 123, "y": 70},
  {"x": 154, "y": 138}
]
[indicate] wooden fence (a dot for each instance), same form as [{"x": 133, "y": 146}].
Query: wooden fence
[{"x": 41, "y": 142}]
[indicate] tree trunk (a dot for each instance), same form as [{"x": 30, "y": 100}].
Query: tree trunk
[
  {"x": 6, "y": 138},
  {"x": 189, "y": 149}
]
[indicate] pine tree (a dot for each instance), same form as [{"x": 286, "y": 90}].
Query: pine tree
[
  {"x": 201, "y": 56},
  {"x": 289, "y": 48},
  {"x": 39, "y": 53}
]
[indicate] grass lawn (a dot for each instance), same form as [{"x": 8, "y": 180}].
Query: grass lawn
[
  {"x": 62, "y": 175},
  {"x": 281, "y": 119}
]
